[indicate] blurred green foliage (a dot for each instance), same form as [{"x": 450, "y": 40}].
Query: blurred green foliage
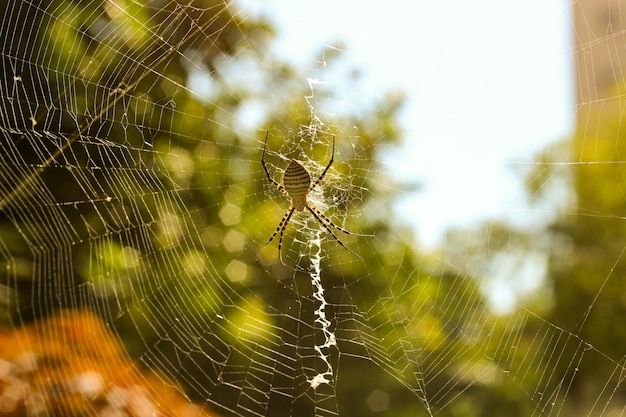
[
  {"x": 587, "y": 260},
  {"x": 571, "y": 320}
]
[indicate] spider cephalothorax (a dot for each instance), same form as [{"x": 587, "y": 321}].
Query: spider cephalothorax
[{"x": 297, "y": 186}]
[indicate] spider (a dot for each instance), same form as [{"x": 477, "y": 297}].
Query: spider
[{"x": 297, "y": 186}]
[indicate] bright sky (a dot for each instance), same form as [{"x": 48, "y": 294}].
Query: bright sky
[{"x": 488, "y": 82}]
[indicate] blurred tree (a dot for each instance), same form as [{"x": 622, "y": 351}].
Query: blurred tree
[
  {"x": 578, "y": 305},
  {"x": 587, "y": 258}
]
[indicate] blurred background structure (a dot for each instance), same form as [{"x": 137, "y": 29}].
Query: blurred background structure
[{"x": 599, "y": 51}]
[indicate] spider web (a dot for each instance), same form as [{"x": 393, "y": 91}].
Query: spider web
[{"x": 131, "y": 187}]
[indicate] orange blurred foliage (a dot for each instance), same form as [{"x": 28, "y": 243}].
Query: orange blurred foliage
[{"x": 71, "y": 364}]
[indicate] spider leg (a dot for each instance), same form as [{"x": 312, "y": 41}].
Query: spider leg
[
  {"x": 332, "y": 157},
  {"x": 316, "y": 213},
  {"x": 269, "y": 177},
  {"x": 329, "y": 222},
  {"x": 281, "y": 228}
]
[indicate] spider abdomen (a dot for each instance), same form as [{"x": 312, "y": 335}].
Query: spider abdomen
[{"x": 297, "y": 182}]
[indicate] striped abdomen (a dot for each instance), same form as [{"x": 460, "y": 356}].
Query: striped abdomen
[{"x": 297, "y": 182}]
